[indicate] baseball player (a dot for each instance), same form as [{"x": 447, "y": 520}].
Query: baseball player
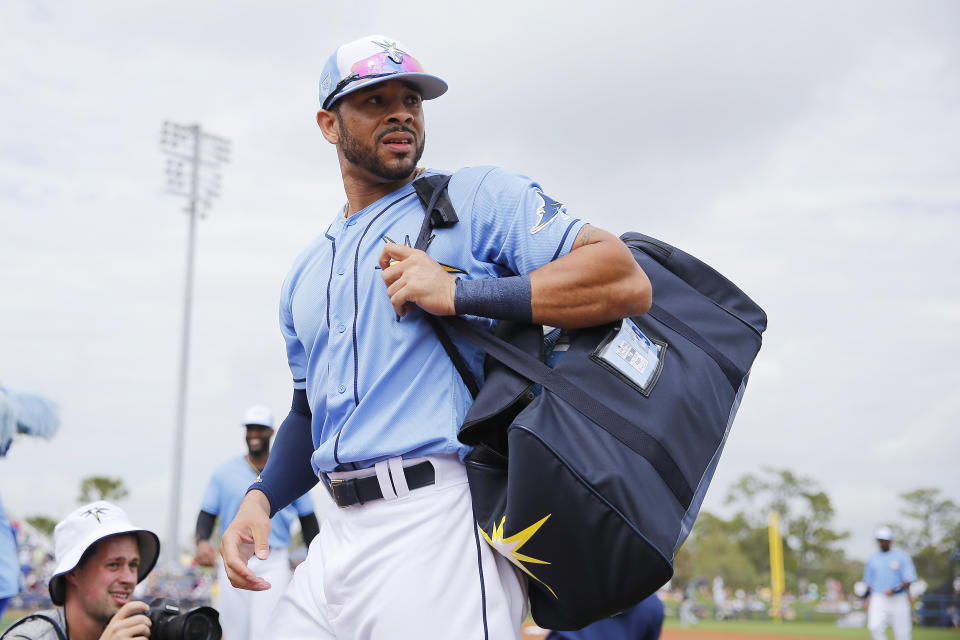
[
  {"x": 377, "y": 401},
  {"x": 243, "y": 614},
  {"x": 888, "y": 574}
]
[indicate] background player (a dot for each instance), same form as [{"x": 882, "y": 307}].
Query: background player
[
  {"x": 243, "y": 614},
  {"x": 377, "y": 401},
  {"x": 888, "y": 574}
]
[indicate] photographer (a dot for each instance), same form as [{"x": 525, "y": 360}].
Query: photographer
[{"x": 100, "y": 557}]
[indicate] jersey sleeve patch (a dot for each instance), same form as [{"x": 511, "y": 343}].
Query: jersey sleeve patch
[{"x": 548, "y": 211}]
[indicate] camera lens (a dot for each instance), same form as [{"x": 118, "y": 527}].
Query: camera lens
[{"x": 198, "y": 628}]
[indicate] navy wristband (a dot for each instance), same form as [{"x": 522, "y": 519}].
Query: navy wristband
[
  {"x": 500, "y": 298},
  {"x": 289, "y": 473}
]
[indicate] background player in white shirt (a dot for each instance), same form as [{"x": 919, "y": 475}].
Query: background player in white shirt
[{"x": 243, "y": 614}]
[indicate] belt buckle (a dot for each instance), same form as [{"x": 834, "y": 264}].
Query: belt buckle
[{"x": 341, "y": 495}]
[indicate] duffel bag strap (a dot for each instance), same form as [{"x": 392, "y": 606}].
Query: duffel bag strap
[
  {"x": 439, "y": 211},
  {"x": 730, "y": 371},
  {"x": 613, "y": 423}
]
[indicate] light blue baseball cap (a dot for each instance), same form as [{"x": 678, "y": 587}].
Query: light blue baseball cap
[{"x": 370, "y": 60}]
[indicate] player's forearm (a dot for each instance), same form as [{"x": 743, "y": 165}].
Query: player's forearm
[
  {"x": 289, "y": 473},
  {"x": 598, "y": 281}
]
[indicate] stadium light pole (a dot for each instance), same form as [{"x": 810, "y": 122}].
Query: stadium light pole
[{"x": 194, "y": 158}]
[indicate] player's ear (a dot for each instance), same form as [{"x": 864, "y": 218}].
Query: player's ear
[{"x": 327, "y": 120}]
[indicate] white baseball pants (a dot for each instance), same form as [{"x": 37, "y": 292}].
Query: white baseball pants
[
  {"x": 244, "y": 614},
  {"x": 893, "y": 611},
  {"x": 410, "y": 566}
]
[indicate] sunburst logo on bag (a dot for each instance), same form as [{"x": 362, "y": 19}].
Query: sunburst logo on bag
[{"x": 510, "y": 546}]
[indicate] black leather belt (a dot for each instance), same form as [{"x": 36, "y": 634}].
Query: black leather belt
[{"x": 351, "y": 491}]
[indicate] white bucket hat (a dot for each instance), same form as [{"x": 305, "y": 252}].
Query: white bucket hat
[
  {"x": 258, "y": 416},
  {"x": 883, "y": 533},
  {"x": 369, "y": 60},
  {"x": 87, "y": 525}
]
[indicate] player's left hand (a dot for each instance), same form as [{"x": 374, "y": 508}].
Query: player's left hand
[{"x": 414, "y": 277}]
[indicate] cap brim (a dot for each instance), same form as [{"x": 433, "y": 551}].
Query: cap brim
[
  {"x": 430, "y": 86},
  {"x": 148, "y": 543}
]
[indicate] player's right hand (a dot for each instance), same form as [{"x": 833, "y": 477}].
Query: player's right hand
[
  {"x": 206, "y": 554},
  {"x": 125, "y": 625},
  {"x": 248, "y": 533}
]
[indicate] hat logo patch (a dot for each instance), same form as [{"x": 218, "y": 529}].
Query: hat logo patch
[
  {"x": 325, "y": 83},
  {"x": 96, "y": 512},
  {"x": 390, "y": 48}
]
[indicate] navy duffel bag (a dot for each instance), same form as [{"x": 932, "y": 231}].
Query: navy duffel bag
[
  {"x": 594, "y": 448},
  {"x": 588, "y": 474}
]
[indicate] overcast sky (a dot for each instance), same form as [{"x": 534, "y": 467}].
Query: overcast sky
[{"x": 809, "y": 151}]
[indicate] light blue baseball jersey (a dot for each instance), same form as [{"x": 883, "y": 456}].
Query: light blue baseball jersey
[
  {"x": 226, "y": 490},
  {"x": 888, "y": 570},
  {"x": 380, "y": 387},
  {"x": 9, "y": 564}
]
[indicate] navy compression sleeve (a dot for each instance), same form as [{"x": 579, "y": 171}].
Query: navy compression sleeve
[
  {"x": 309, "y": 527},
  {"x": 205, "y": 525},
  {"x": 289, "y": 474}
]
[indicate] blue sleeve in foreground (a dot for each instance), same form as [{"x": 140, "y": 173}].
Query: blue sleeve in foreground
[{"x": 289, "y": 473}]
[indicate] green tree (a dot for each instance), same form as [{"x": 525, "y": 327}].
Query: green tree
[
  {"x": 714, "y": 550},
  {"x": 932, "y": 530},
  {"x": 102, "y": 488},
  {"x": 806, "y": 513},
  {"x": 43, "y": 524}
]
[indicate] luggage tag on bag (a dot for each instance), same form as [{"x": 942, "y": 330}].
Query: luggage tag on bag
[{"x": 632, "y": 355}]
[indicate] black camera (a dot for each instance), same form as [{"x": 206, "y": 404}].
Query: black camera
[{"x": 171, "y": 622}]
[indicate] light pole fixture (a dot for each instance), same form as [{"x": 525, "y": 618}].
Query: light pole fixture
[{"x": 194, "y": 158}]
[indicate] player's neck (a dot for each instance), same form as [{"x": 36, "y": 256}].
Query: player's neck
[
  {"x": 362, "y": 191},
  {"x": 81, "y": 626}
]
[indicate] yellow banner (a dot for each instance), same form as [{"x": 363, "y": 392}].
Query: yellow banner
[{"x": 776, "y": 565}]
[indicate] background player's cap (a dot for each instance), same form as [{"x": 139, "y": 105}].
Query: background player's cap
[
  {"x": 883, "y": 533},
  {"x": 370, "y": 60},
  {"x": 258, "y": 415},
  {"x": 90, "y": 523}
]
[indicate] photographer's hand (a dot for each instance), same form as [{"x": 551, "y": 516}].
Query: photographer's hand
[
  {"x": 249, "y": 532},
  {"x": 125, "y": 625}
]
